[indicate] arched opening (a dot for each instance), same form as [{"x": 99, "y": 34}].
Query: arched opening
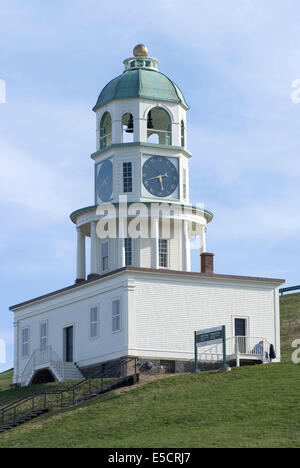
[
  {"x": 127, "y": 128},
  {"x": 159, "y": 126},
  {"x": 182, "y": 134},
  {"x": 42, "y": 376},
  {"x": 105, "y": 130}
]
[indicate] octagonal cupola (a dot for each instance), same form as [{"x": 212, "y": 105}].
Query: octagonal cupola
[{"x": 141, "y": 105}]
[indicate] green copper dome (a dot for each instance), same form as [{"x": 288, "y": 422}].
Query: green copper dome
[{"x": 141, "y": 83}]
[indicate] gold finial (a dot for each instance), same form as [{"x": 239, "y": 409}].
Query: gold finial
[{"x": 140, "y": 51}]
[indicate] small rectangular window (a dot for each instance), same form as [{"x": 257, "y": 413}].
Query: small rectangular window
[
  {"x": 25, "y": 342},
  {"x": 163, "y": 253},
  {"x": 128, "y": 252},
  {"x": 94, "y": 322},
  {"x": 43, "y": 336},
  {"x": 104, "y": 256},
  {"x": 116, "y": 316},
  {"x": 127, "y": 177}
]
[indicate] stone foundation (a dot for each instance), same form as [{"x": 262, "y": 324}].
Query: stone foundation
[{"x": 121, "y": 368}]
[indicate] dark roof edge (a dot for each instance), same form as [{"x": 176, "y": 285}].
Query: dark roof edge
[{"x": 149, "y": 270}]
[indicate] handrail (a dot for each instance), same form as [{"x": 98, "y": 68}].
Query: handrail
[
  {"x": 291, "y": 288},
  {"x": 89, "y": 382},
  {"x": 236, "y": 345},
  {"x": 40, "y": 357}
]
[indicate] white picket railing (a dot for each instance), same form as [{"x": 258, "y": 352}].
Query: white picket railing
[
  {"x": 237, "y": 348},
  {"x": 43, "y": 357}
]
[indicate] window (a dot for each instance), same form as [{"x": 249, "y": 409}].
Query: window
[
  {"x": 116, "y": 316},
  {"x": 25, "y": 342},
  {"x": 127, "y": 128},
  {"x": 105, "y": 131},
  {"x": 94, "y": 322},
  {"x": 127, "y": 177},
  {"x": 182, "y": 134},
  {"x": 128, "y": 252},
  {"x": 184, "y": 191},
  {"x": 159, "y": 126},
  {"x": 163, "y": 253},
  {"x": 43, "y": 336},
  {"x": 104, "y": 256}
]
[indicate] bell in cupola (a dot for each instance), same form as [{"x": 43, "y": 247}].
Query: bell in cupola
[
  {"x": 149, "y": 123},
  {"x": 130, "y": 125}
]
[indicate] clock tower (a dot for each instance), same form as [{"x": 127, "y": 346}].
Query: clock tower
[
  {"x": 141, "y": 161},
  {"x": 136, "y": 307}
]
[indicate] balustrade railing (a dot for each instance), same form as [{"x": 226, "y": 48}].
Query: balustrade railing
[
  {"x": 237, "y": 346},
  {"x": 41, "y": 357}
]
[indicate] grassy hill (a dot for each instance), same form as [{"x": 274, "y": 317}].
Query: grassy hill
[
  {"x": 255, "y": 406},
  {"x": 290, "y": 323}
]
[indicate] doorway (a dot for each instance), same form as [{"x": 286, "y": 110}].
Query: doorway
[
  {"x": 240, "y": 327},
  {"x": 68, "y": 344}
]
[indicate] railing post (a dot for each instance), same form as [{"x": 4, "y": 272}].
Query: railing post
[
  {"x": 237, "y": 346},
  {"x": 15, "y": 414}
]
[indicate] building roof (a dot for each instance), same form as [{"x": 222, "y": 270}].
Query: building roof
[
  {"x": 212, "y": 276},
  {"x": 141, "y": 83}
]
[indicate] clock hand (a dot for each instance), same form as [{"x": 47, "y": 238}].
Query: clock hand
[
  {"x": 159, "y": 176},
  {"x": 151, "y": 178},
  {"x": 160, "y": 179}
]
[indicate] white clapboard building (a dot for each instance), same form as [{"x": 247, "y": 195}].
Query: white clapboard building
[{"x": 140, "y": 298}]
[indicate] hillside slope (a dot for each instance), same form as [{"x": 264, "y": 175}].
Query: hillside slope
[
  {"x": 290, "y": 323},
  {"x": 250, "y": 407}
]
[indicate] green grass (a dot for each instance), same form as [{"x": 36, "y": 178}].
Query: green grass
[
  {"x": 255, "y": 406},
  {"x": 251, "y": 407},
  {"x": 5, "y": 381}
]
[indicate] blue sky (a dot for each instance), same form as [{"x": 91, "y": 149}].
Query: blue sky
[{"x": 235, "y": 61}]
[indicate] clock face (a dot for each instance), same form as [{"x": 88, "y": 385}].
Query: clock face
[
  {"x": 160, "y": 176},
  {"x": 104, "y": 183}
]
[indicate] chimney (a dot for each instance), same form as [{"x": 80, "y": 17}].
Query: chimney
[{"x": 207, "y": 262}]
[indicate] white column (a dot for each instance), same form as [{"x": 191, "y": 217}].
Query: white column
[
  {"x": 202, "y": 242},
  {"x": 94, "y": 256},
  {"x": 137, "y": 129},
  {"x": 155, "y": 237},
  {"x": 121, "y": 242},
  {"x": 186, "y": 253},
  {"x": 143, "y": 130},
  {"x": 81, "y": 267}
]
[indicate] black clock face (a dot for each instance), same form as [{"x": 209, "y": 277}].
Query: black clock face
[
  {"x": 160, "y": 176},
  {"x": 105, "y": 181}
]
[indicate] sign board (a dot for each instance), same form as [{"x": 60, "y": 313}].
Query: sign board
[{"x": 209, "y": 337}]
